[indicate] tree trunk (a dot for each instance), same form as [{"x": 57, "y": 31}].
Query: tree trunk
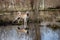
[{"x": 36, "y": 13}]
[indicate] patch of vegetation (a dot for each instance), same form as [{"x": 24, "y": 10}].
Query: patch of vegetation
[
  {"x": 58, "y": 21},
  {"x": 16, "y": 23},
  {"x": 58, "y": 7},
  {"x": 3, "y": 22},
  {"x": 21, "y": 22},
  {"x": 54, "y": 27}
]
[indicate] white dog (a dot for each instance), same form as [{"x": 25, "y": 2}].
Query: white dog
[{"x": 23, "y": 16}]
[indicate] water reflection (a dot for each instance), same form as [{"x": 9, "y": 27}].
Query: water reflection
[
  {"x": 48, "y": 33},
  {"x": 11, "y": 33}
]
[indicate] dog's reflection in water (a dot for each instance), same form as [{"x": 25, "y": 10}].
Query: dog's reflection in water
[{"x": 24, "y": 30}]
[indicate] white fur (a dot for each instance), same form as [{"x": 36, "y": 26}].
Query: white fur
[{"x": 23, "y": 16}]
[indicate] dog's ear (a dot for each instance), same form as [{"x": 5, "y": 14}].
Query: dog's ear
[
  {"x": 27, "y": 12},
  {"x": 19, "y": 12}
]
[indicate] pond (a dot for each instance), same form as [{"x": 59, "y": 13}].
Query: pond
[
  {"x": 10, "y": 32},
  {"x": 49, "y": 33}
]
